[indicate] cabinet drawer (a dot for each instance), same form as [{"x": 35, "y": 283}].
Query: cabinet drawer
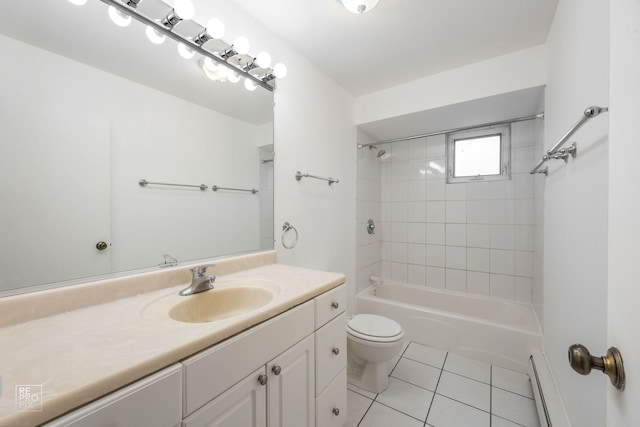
[
  {"x": 212, "y": 371},
  {"x": 153, "y": 401},
  {"x": 330, "y": 304},
  {"x": 331, "y": 405},
  {"x": 331, "y": 351}
]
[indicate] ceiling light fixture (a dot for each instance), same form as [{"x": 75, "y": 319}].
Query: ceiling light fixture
[
  {"x": 119, "y": 18},
  {"x": 359, "y": 6},
  {"x": 185, "y": 52},
  {"x": 255, "y": 70},
  {"x": 154, "y": 35},
  {"x": 78, "y": 2},
  {"x": 213, "y": 30},
  {"x": 133, "y": 3},
  {"x": 182, "y": 9}
]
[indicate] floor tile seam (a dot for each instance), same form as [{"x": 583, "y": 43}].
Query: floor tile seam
[
  {"x": 466, "y": 404},
  {"x": 360, "y": 394},
  {"x": 423, "y": 363},
  {"x": 507, "y": 419},
  {"x": 365, "y": 412},
  {"x": 416, "y": 385},
  {"x": 434, "y": 393},
  {"x": 398, "y": 410},
  {"x": 490, "y": 395},
  {"x": 464, "y": 376},
  {"x": 400, "y": 358},
  {"x": 513, "y": 392}
]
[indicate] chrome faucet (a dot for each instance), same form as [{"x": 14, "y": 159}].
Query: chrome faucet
[{"x": 199, "y": 282}]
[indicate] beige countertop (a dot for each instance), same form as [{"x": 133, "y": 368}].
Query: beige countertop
[{"x": 83, "y": 354}]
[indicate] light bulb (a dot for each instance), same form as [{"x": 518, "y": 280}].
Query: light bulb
[
  {"x": 154, "y": 36},
  {"x": 210, "y": 64},
  {"x": 233, "y": 76},
  {"x": 249, "y": 85},
  {"x": 241, "y": 45},
  {"x": 185, "y": 52},
  {"x": 215, "y": 28},
  {"x": 119, "y": 18},
  {"x": 359, "y": 6},
  {"x": 184, "y": 9},
  {"x": 78, "y": 2},
  {"x": 280, "y": 70},
  {"x": 221, "y": 73},
  {"x": 263, "y": 60}
]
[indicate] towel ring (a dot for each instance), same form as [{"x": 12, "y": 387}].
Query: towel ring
[{"x": 285, "y": 228}]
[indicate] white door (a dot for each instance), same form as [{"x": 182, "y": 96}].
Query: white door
[
  {"x": 623, "y": 408},
  {"x": 55, "y": 192}
]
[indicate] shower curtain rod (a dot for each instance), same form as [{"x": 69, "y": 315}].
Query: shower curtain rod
[{"x": 442, "y": 132}]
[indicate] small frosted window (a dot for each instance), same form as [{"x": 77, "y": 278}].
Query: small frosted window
[{"x": 477, "y": 156}]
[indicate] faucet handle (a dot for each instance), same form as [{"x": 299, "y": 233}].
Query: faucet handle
[{"x": 200, "y": 270}]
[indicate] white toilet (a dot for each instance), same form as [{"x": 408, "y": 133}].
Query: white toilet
[{"x": 372, "y": 341}]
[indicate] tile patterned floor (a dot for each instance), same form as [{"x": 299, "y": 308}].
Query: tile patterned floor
[{"x": 433, "y": 388}]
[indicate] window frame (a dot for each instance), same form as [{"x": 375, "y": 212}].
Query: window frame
[{"x": 505, "y": 153}]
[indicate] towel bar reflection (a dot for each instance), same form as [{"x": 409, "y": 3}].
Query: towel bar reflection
[
  {"x": 250, "y": 190},
  {"x": 144, "y": 183},
  {"x": 300, "y": 175}
]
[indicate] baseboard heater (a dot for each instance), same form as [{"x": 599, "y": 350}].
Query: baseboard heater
[{"x": 551, "y": 412}]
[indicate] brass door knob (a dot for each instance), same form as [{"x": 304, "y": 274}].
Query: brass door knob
[
  {"x": 101, "y": 246},
  {"x": 611, "y": 365}
]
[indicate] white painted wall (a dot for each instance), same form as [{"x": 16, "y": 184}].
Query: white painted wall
[
  {"x": 508, "y": 73},
  {"x": 576, "y": 196},
  {"x": 314, "y": 132},
  {"x": 624, "y": 208}
]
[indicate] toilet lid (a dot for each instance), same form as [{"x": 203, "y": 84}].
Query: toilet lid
[{"x": 374, "y": 326}]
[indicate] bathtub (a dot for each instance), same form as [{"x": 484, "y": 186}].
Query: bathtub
[{"x": 502, "y": 333}]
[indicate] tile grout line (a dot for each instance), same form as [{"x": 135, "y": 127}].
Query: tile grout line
[
  {"x": 490, "y": 395},
  {"x": 436, "y": 390},
  {"x": 376, "y": 396}
]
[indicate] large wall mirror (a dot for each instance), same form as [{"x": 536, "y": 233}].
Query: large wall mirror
[{"x": 88, "y": 109}]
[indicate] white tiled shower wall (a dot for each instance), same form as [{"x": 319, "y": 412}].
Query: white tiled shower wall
[{"x": 467, "y": 237}]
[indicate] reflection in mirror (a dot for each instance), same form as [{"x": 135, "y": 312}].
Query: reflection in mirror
[{"x": 88, "y": 110}]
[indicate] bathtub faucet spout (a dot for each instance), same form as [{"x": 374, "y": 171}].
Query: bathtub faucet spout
[{"x": 375, "y": 282}]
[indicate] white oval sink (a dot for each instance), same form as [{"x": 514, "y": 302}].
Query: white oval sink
[{"x": 218, "y": 304}]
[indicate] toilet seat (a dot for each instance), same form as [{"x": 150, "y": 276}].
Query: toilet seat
[{"x": 370, "y": 327}]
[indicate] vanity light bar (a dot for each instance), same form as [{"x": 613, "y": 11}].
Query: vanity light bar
[{"x": 192, "y": 43}]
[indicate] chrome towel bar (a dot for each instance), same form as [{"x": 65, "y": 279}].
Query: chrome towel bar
[
  {"x": 300, "y": 175},
  {"x": 557, "y": 152},
  {"x": 144, "y": 183},
  {"x": 251, "y": 190}
]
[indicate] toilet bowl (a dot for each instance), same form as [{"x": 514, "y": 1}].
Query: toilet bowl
[{"x": 372, "y": 341}]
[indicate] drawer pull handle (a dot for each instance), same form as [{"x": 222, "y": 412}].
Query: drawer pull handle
[
  {"x": 262, "y": 379},
  {"x": 276, "y": 370},
  {"x": 335, "y": 351},
  {"x": 336, "y": 411},
  {"x": 335, "y": 304}
]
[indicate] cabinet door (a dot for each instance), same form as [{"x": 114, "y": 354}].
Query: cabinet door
[
  {"x": 292, "y": 386},
  {"x": 244, "y": 404}
]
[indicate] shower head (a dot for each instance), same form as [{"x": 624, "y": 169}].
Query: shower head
[{"x": 382, "y": 154}]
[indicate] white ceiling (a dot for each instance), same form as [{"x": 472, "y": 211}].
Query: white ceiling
[{"x": 402, "y": 40}]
